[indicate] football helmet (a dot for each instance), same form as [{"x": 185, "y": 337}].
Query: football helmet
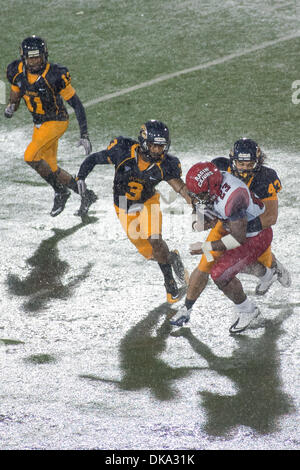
[
  {"x": 203, "y": 181},
  {"x": 246, "y": 150},
  {"x": 156, "y": 133},
  {"x": 33, "y": 47}
]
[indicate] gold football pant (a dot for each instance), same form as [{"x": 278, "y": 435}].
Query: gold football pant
[
  {"x": 45, "y": 142},
  {"x": 216, "y": 234},
  {"x": 141, "y": 225}
]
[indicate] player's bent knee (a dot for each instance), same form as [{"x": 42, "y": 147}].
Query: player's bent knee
[
  {"x": 31, "y": 152},
  {"x": 156, "y": 241}
]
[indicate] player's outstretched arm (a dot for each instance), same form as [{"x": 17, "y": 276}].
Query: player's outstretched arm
[
  {"x": 180, "y": 187},
  {"x": 78, "y": 107}
]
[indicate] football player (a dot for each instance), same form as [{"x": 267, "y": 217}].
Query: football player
[
  {"x": 240, "y": 241},
  {"x": 43, "y": 86},
  {"x": 140, "y": 165},
  {"x": 246, "y": 162}
]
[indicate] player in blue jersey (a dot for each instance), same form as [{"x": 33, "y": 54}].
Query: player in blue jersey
[
  {"x": 44, "y": 86},
  {"x": 140, "y": 165}
]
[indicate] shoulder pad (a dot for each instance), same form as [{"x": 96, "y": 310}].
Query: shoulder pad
[
  {"x": 12, "y": 70},
  {"x": 58, "y": 76},
  {"x": 58, "y": 68},
  {"x": 221, "y": 163},
  {"x": 269, "y": 172},
  {"x": 121, "y": 142},
  {"x": 171, "y": 158},
  {"x": 266, "y": 183},
  {"x": 172, "y": 167}
]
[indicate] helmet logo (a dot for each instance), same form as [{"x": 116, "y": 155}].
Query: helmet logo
[
  {"x": 202, "y": 175},
  {"x": 143, "y": 131}
]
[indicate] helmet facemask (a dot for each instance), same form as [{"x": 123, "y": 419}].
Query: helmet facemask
[
  {"x": 245, "y": 151},
  {"x": 31, "y": 49},
  {"x": 154, "y": 133}
]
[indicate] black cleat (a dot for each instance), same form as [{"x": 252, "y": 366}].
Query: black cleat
[
  {"x": 172, "y": 291},
  {"x": 178, "y": 267},
  {"x": 88, "y": 198},
  {"x": 60, "y": 200}
]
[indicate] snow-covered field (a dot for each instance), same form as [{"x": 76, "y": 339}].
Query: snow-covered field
[{"x": 88, "y": 358}]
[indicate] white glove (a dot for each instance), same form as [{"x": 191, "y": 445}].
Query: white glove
[
  {"x": 86, "y": 143},
  {"x": 81, "y": 187},
  {"x": 9, "y": 110}
]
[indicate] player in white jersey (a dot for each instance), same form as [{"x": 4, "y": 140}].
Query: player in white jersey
[
  {"x": 229, "y": 200},
  {"x": 234, "y": 194}
]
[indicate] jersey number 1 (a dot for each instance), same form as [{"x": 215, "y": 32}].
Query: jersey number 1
[{"x": 34, "y": 104}]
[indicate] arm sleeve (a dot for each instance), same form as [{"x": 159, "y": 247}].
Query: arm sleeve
[
  {"x": 98, "y": 158},
  {"x": 80, "y": 114}
]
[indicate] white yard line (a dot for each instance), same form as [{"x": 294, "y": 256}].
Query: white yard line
[
  {"x": 206, "y": 65},
  {"x": 169, "y": 76}
]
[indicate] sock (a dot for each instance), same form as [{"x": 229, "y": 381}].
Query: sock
[
  {"x": 268, "y": 274},
  {"x": 189, "y": 303},
  {"x": 246, "y": 306},
  {"x": 166, "y": 270},
  {"x": 52, "y": 180},
  {"x": 73, "y": 185}
]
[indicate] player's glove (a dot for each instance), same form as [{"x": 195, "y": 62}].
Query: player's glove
[
  {"x": 86, "y": 143},
  {"x": 81, "y": 187},
  {"x": 9, "y": 110}
]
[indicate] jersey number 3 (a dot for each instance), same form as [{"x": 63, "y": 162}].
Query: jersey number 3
[{"x": 135, "y": 191}]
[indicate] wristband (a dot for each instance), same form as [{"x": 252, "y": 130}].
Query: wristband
[
  {"x": 207, "y": 248},
  {"x": 254, "y": 225},
  {"x": 230, "y": 242}
]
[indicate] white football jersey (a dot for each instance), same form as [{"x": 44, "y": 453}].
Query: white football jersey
[{"x": 236, "y": 201}]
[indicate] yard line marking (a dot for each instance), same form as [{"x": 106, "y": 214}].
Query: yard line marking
[{"x": 206, "y": 65}]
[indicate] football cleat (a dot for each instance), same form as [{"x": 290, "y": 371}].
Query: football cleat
[
  {"x": 243, "y": 320},
  {"x": 178, "y": 267},
  {"x": 284, "y": 276},
  {"x": 182, "y": 316},
  {"x": 266, "y": 281},
  {"x": 172, "y": 291},
  {"x": 87, "y": 199},
  {"x": 60, "y": 200}
]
